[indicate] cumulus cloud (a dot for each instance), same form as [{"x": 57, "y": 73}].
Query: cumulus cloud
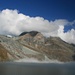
[
  {"x": 13, "y": 23},
  {"x": 68, "y": 36}
]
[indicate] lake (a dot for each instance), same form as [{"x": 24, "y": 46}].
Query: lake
[{"x": 18, "y": 68}]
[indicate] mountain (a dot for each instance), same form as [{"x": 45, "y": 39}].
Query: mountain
[
  {"x": 34, "y": 45},
  {"x": 32, "y": 33}
]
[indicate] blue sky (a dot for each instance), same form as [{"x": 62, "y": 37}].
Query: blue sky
[
  {"x": 51, "y": 17},
  {"x": 49, "y": 9}
]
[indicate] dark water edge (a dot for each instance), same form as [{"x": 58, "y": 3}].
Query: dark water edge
[{"x": 10, "y": 68}]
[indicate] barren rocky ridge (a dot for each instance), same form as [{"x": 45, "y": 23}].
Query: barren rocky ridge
[{"x": 34, "y": 45}]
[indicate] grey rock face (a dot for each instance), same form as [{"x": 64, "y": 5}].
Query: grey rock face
[
  {"x": 16, "y": 50},
  {"x": 35, "y": 45},
  {"x": 32, "y": 33},
  {"x": 52, "y": 47}
]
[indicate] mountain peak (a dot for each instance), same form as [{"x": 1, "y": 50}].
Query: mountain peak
[
  {"x": 34, "y": 45},
  {"x": 32, "y": 33}
]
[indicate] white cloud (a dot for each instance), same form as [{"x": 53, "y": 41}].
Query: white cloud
[
  {"x": 68, "y": 36},
  {"x": 12, "y": 22}
]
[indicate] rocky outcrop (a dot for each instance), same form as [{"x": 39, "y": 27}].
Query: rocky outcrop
[
  {"x": 15, "y": 50},
  {"x": 32, "y": 33},
  {"x": 3, "y": 54},
  {"x": 52, "y": 47},
  {"x": 34, "y": 41},
  {"x": 34, "y": 45}
]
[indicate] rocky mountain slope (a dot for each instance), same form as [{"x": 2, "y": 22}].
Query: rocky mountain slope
[{"x": 34, "y": 45}]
